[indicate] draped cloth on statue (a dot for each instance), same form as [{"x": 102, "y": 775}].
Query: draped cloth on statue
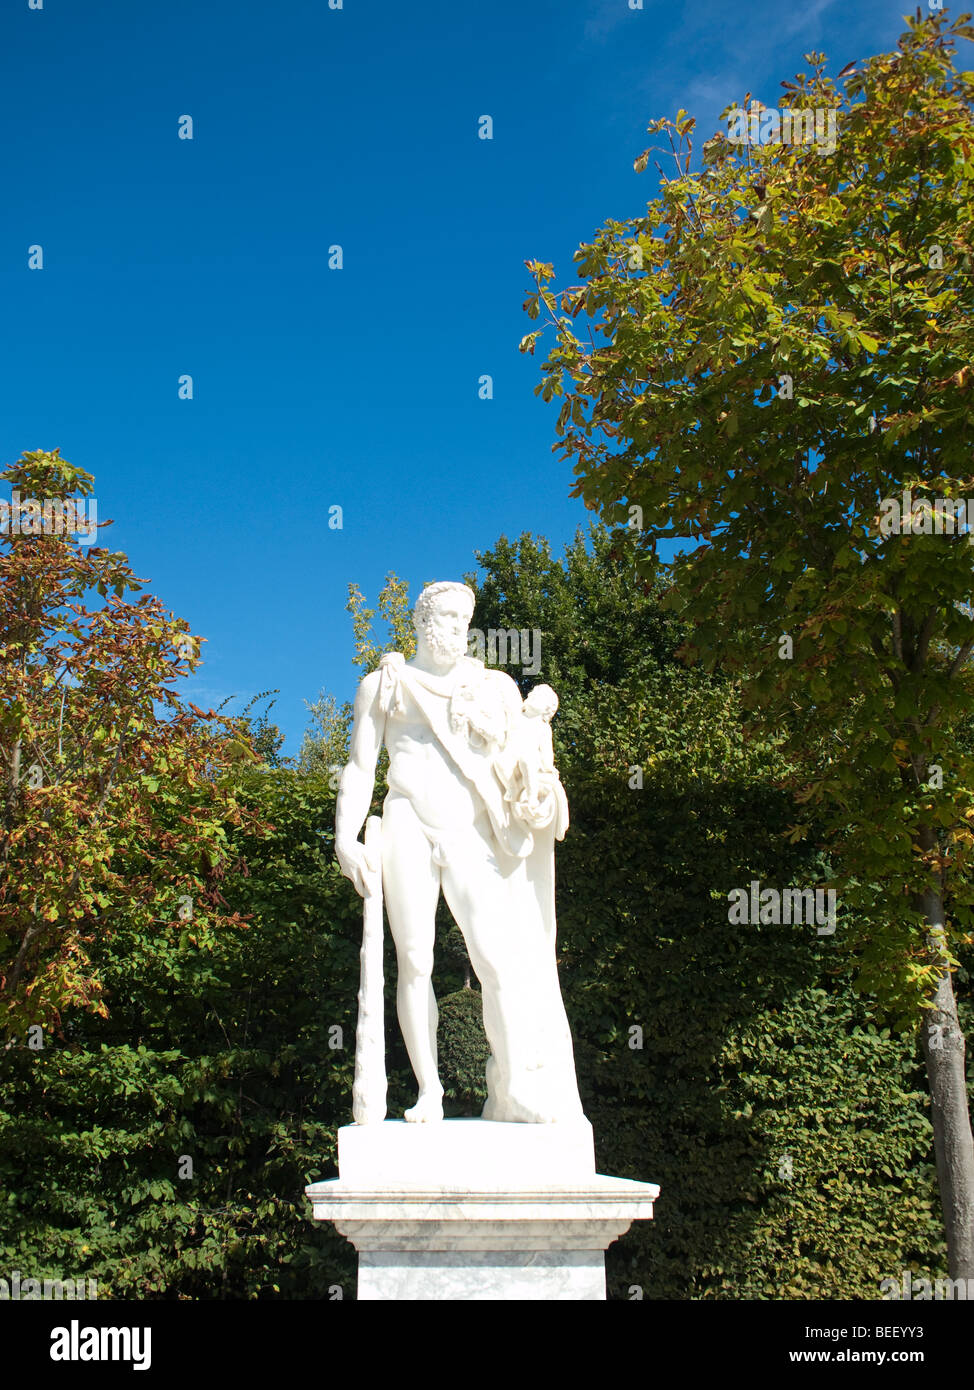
[{"x": 477, "y": 719}]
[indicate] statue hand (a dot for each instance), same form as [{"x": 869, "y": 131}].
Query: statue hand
[{"x": 356, "y": 865}]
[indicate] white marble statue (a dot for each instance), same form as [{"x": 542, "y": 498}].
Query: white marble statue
[{"x": 473, "y": 809}]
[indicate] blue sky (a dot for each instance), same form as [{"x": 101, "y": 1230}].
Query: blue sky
[{"x": 315, "y": 387}]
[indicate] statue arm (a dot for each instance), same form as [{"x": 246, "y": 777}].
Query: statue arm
[{"x": 358, "y": 780}]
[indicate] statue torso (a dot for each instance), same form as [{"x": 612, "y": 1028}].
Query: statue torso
[{"x": 420, "y": 767}]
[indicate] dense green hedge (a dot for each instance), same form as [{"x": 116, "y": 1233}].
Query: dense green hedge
[
  {"x": 789, "y": 1137},
  {"x": 757, "y": 1060},
  {"x": 226, "y": 1058}
]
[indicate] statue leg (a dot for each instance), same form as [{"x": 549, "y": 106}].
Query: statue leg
[
  {"x": 477, "y": 894},
  {"x": 411, "y": 884}
]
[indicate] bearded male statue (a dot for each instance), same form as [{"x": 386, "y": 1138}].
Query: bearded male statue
[{"x": 474, "y": 807}]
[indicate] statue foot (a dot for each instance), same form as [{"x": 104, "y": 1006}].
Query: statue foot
[{"x": 429, "y": 1107}]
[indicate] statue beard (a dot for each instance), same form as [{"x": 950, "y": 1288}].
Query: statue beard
[{"x": 445, "y": 648}]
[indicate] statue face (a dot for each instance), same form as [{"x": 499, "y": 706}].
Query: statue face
[
  {"x": 446, "y": 628},
  {"x": 542, "y": 702}
]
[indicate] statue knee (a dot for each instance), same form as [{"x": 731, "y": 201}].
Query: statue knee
[{"x": 416, "y": 963}]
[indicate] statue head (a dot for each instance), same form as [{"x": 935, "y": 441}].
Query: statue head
[
  {"x": 441, "y": 618},
  {"x": 542, "y": 702}
]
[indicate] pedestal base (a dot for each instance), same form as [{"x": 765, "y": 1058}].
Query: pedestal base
[
  {"x": 477, "y": 1209},
  {"x": 482, "y": 1274}
]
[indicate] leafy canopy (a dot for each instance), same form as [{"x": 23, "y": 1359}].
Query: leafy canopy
[
  {"x": 115, "y": 799},
  {"x": 784, "y": 340}
]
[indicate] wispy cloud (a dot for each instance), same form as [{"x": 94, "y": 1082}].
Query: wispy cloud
[{"x": 801, "y": 17}]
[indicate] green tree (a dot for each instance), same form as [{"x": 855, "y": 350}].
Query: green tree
[
  {"x": 100, "y": 760},
  {"x": 325, "y": 742},
  {"x": 259, "y": 734},
  {"x": 788, "y": 1133},
  {"x": 324, "y": 747},
  {"x": 396, "y": 613},
  {"x": 786, "y": 339},
  {"x": 163, "y": 1149}
]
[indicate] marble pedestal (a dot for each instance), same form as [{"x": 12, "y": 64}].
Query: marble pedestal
[{"x": 477, "y": 1209}]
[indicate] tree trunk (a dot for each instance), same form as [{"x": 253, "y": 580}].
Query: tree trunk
[{"x": 944, "y": 1050}]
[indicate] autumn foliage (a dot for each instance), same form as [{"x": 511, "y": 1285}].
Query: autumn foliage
[{"x": 114, "y": 796}]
